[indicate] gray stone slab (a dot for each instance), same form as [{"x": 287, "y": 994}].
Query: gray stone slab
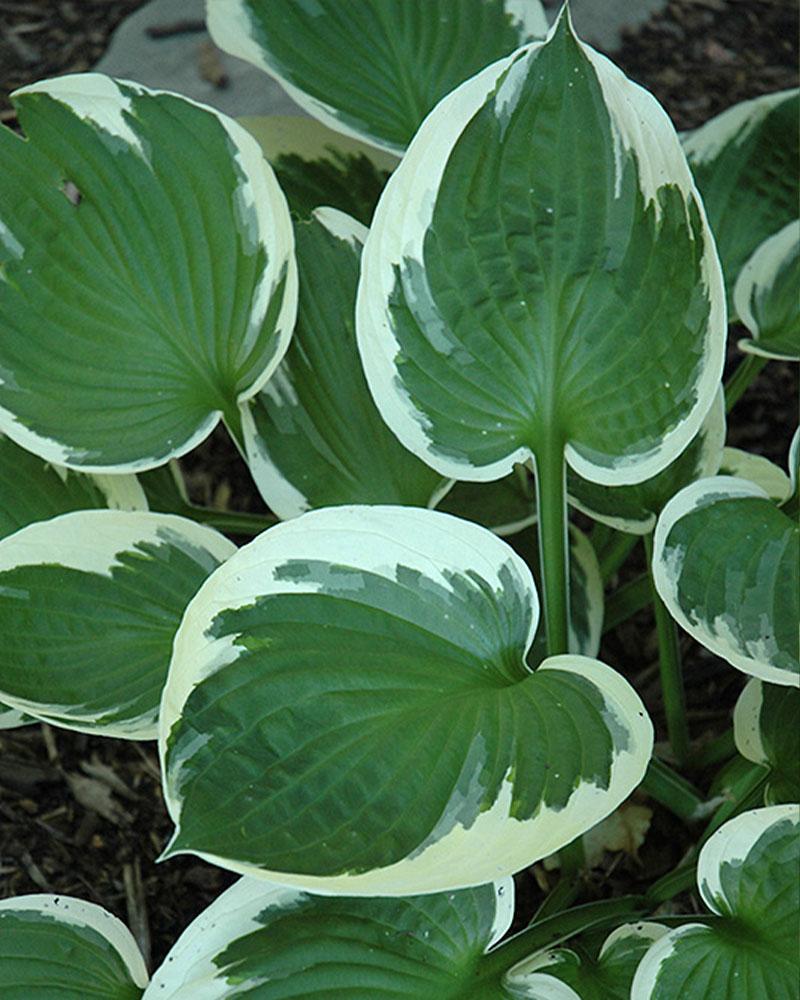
[{"x": 173, "y": 63}]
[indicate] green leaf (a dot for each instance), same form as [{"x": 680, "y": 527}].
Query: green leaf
[
  {"x": 10, "y": 718},
  {"x": 726, "y": 562},
  {"x": 766, "y": 296},
  {"x": 759, "y": 470},
  {"x": 316, "y": 166},
  {"x": 348, "y": 709},
  {"x": 565, "y": 974},
  {"x": 313, "y": 435},
  {"x": 60, "y": 947},
  {"x": 635, "y": 508},
  {"x": 164, "y": 488},
  {"x": 287, "y": 944},
  {"x": 89, "y": 605},
  {"x": 747, "y": 875},
  {"x": 746, "y": 162},
  {"x": 34, "y": 490},
  {"x": 372, "y": 68},
  {"x": 506, "y": 506},
  {"x": 766, "y": 722},
  {"x": 539, "y": 274},
  {"x": 147, "y": 279}
]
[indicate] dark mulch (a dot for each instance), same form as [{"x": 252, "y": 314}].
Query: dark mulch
[{"x": 84, "y": 816}]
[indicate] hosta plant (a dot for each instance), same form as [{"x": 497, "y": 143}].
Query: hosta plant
[{"x": 380, "y": 710}]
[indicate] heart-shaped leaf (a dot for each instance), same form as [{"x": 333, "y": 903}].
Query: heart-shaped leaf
[
  {"x": 726, "y": 562},
  {"x": 766, "y": 722},
  {"x": 635, "y": 508},
  {"x": 747, "y": 875},
  {"x": 89, "y": 605},
  {"x": 348, "y": 709},
  {"x": 766, "y": 296},
  {"x": 746, "y": 163},
  {"x": 759, "y": 470},
  {"x": 287, "y": 944},
  {"x": 564, "y": 974},
  {"x": 372, "y": 68},
  {"x": 34, "y": 490},
  {"x": 148, "y": 279},
  {"x": 539, "y": 274},
  {"x": 316, "y": 166},
  {"x": 56, "y": 946},
  {"x": 313, "y": 435}
]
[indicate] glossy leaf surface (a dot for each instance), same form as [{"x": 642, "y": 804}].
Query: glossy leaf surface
[
  {"x": 348, "y": 709},
  {"x": 313, "y": 435},
  {"x": 287, "y": 945},
  {"x": 726, "y": 562},
  {"x": 59, "y": 947},
  {"x": 747, "y": 875},
  {"x": 372, "y": 68},
  {"x": 746, "y": 162},
  {"x": 766, "y": 724},
  {"x": 148, "y": 279},
  {"x": 34, "y": 490},
  {"x": 564, "y": 974},
  {"x": 89, "y": 605},
  {"x": 539, "y": 274},
  {"x": 767, "y": 299},
  {"x": 635, "y": 508}
]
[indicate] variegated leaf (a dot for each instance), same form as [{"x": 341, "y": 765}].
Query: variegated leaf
[
  {"x": 372, "y": 68},
  {"x": 147, "y": 278},
  {"x": 747, "y": 876},
  {"x": 89, "y": 605},
  {"x": 726, "y": 562},
  {"x": 348, "y": 709},
  {"x": 759, "y": 470},
  {"x": 540, "y": 277},
  {"x": 59, "y": 947},
  {"x": 766, "y": 724}
]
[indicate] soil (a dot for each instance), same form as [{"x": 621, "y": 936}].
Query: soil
[{"x": 84, "y": 815}]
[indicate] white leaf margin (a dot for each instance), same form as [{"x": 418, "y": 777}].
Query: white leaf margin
[
  {"x": 759, "y": 470},
  {"x": 78, "y": 913},
  {"x": 756, "y": 278},
  {"x": 667, "y": 565},
  {"x": 369, "y": 538},
  {"x": 228, "y": 24},
  {"x": 91, "y": 541},
  {"x": 728, "y": 845},
  {"x": 405, "y": 211},
  {"x": 98, "y": 98},
  {"x": 747, "y": 722},
  {"x": 189, "y": 973}
]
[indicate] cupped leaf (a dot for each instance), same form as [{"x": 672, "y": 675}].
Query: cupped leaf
[
  {"x": 759, "y": 470},
  {"x": 746, "y": 163},
  {"x": 89, "y": 605},
  {"x": 147, "y": 278},
  {"x": 372, "y": 68},
  {"x": 766, "y": 724},
  {"x": 726, "y": 562},
  {"x": 506, "y": 506},
  {"x": 747, "y": 875},
  {"x": 60, "y": 947},
  {"x": 635, "y": 508},
  {"x": 287, "y": 944},
  {"x": 313, "y": 435},
  {"x": 348, "y": 709},
  {"x": 766, "y": 296},
  {"x": 539, "y": 273},
  {"x": 34, "y": 490},
  {"x": 10, "y": 718},
  {"x": 316, "y": 166},
  {"x": 565, "y": 974}
]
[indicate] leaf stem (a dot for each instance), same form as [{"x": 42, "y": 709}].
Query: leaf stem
[
  {"x": 739, "y": 382},
  {"x": 674, "y": 792},
  {"x": 669, "y": 657},
  {"x": 234, "y": 522},
  {"x": 718, "y": 751},
  {"x": 614, "y": 553},
  {"x": 626, "y": 601},
  {"x": 553, "y": 542},
  {"x": 560, "y": 927}
]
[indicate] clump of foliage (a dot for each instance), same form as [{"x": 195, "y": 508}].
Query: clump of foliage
[{"x": 379, "y": 710}]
